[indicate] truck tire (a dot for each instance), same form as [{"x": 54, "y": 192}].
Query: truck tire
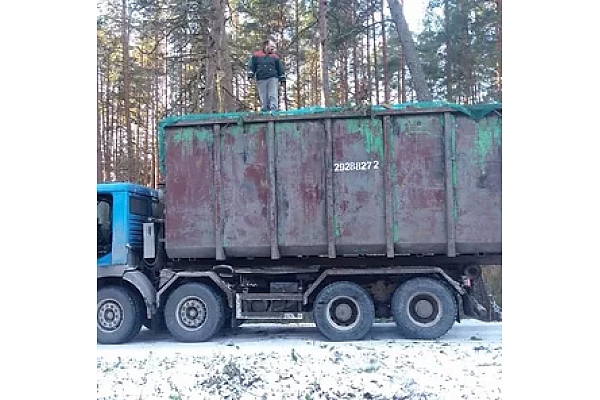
[
  {"x": 117, "y": 314},
  {"x": 194, "y": 312},
  {"x": 423, "y": 308},
  {"x": 344, "y": 311}
]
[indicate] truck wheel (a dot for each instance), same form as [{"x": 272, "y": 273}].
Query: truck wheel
[
  {"x": 344, "y": 311},
  {"x": 118, "y": 317},
  {"x": 423, "y": 308},
  {"x": 194, "y": 313}
]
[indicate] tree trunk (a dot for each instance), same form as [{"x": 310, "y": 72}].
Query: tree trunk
[
  {"x": 375, "y": 64},
  {"x": 386, "y": 78},
  {"x": 316, "y": 89},
  {"x": 210, "y": 101},
  {"x": 145, "y": 116},
  {"x": 299, "y": 102},
  {"x": 355, "y": 66},
  {"x": 98, "y": 126},
  {"x": 466, "y": 50},
  {"x": 449, "y": 55},
  {"x": 409, "y": 49},
  {"x": 226, "y": 74},
  {"x": 323, "y": 47},
  {"x": 224, "y": 78},
  {"x": 367, "y": 93},
  {"x": 126, "y": 87},
  {"x": 403, "y": 78},
  {"x": 118, "y": 141},
  {"x": 499, "y": 32},
  {"x": 344, "y": 75},
  {"x": 214, "y": 100},
  {"x": 108, "y": 126}
]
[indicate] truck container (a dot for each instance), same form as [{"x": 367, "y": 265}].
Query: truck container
[{"x": 339, "y": 215}]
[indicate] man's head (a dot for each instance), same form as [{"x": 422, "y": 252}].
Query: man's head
[{"x": 269, "y": 46}]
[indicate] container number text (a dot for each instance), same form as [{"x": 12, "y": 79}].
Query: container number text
[{"x": 355, "y": 166}]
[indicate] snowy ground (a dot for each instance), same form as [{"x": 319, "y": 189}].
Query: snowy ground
[{"x": 261, "y": 361}]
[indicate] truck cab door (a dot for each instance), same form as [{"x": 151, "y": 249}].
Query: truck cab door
[{"x": 105, "y": 229}]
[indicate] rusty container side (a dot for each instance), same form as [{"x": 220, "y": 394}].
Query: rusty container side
[
  {"x": 418, "y": 194},
  {"x": 323, "y": 186},
  {"x": 190, "y": 192},
  {"x": 358, "y": 157},
  {"x": 245, "y": 190},
  {"x": 478, "y": 184},
  {"x": 301, "y": 174}
]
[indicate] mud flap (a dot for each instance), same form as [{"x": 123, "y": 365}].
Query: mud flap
[{"x": 473, "y": 308}]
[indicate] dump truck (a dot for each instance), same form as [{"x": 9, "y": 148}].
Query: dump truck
[{"x": 338, "y": 216}]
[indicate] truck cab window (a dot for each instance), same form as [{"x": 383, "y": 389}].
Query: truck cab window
[
  {"x": 139, "y": 206},
  {"x": 104, "y": 221}
]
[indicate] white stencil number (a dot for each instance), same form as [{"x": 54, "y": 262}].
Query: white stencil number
[{"x": 355, "y": 166}]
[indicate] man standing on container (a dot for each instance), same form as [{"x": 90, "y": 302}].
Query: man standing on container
[{"x": 266, "y": 67}]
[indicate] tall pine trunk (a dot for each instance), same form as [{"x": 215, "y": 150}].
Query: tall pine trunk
[
  {"x": 98, "y": 126},
  {"x": 299, "y": 102},
  {"x": 323, "y": 48},
  {"x": 403, "y": 77},
  {"x": 386, "y": 78},
  {"x": 375, "y": 63},
  {"x": 409, "y": 49},
  {"x": 344, "y": 75},
  {"x": 367, "y": 88},
  {"x": 355, "y": 73},
  {"x": 130, "y": 165},
  {"x": 449, "y": 55},
  {"x": 499, "y": 32}
]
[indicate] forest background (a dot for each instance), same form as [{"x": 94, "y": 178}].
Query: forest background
[{"x": 157, "y": 58}]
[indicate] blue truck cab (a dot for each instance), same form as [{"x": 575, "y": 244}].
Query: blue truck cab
[
  {"x": 122, "y": 208},
  {"x": 126, "y": 294}
]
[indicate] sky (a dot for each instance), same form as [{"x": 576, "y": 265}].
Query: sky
[{"x": 414, "y": 11}]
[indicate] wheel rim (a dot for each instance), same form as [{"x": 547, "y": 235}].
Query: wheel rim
[
  {"x": 191, "y": 313},
  {"x": 424, "y": 309},
  {"x": 343, "y": 313},
  {"x": 110, "y": 316}
]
